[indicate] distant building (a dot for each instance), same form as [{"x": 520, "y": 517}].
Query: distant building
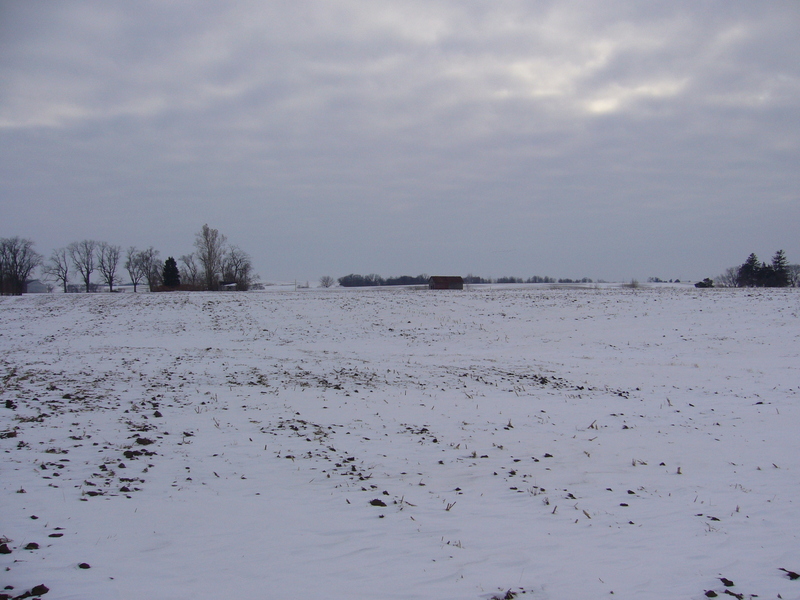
[
  {"x": 440, "y": 282},
  {"x": 35, "y": 286}
]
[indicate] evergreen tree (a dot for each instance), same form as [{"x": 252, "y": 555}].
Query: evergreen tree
[
  {"x": 755, "y": 274},
  {"x": 171, "y": 275},
  {"x": 766, "y": 276},
  {"x": 749, "y": 272},
  {"x": 780, "y": 270}
]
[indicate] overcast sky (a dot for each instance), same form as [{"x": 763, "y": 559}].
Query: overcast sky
[{"x": 609, "y": 139}]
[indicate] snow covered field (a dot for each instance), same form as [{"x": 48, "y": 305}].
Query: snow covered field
[{"x": 402, "y": 444}]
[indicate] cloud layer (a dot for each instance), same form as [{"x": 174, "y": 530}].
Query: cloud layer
[{"x": 609, "y": 140}]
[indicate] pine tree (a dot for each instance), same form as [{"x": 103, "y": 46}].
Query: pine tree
[
  {"x": 780, "y": 270},
  {"x": 171, "y": 276},
  {"x": 766, "y": 276},
  {"x": 749, "y": 272}
]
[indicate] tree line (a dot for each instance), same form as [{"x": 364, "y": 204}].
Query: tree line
[
  {"x": 354, "y": 280},
  {"x": 214, "y": 264},
  {"x": 755, "y": 273}
]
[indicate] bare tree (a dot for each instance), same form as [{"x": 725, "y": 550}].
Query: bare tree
[
  {"x": 730, "y": 278},
  {"x": 107, "y": 261},
  {"x": 17, "y": 260},
  {"x": 326, "y": 281},
  {"x": 58, "y": 267},
  {"x": 151, "y": 267},
  {"x": 189, "y": 272},
  {"x": 237, "y": 267},
  {"x": 83, "y": 257},
  {"x": 210, "y": 244},
  {"x": 794, "y": 275},
  {"x": 134, "y": 266}
]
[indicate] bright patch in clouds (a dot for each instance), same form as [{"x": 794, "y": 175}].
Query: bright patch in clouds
[{"x": 617, "y": 97}]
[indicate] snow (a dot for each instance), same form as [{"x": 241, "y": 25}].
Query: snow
[{"x": 554, "y": 443}]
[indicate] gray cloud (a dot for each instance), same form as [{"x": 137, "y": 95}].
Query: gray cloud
[{"x": 601, "y": 139}]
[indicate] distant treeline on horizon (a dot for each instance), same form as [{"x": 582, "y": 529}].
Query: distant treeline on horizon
[{"x": 354, "y": 280}]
